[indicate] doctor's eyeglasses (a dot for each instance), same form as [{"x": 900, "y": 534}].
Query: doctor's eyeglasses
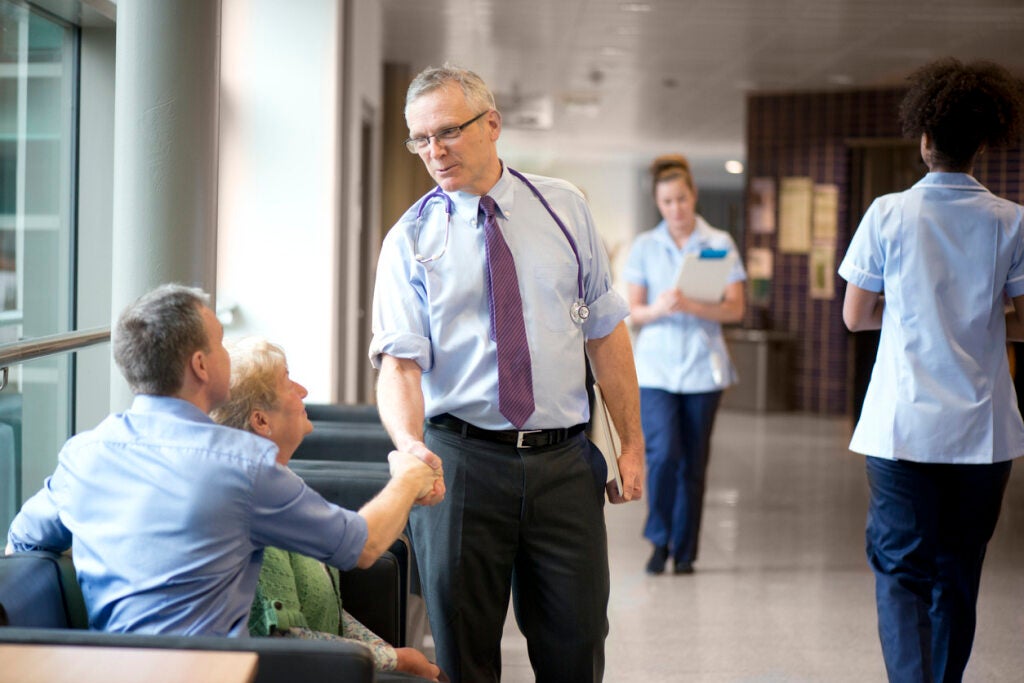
[{"x": 417, "y": 145}]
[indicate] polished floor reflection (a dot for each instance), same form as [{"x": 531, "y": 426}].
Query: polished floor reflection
[{"x": 782, "y": 591}]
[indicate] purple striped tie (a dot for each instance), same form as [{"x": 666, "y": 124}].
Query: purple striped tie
[{"x": 515, "y": 375}]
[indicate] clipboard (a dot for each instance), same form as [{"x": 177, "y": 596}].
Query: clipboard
[
  {"x": 603, "y": 434},
  {"x": 704, "y": 275}
]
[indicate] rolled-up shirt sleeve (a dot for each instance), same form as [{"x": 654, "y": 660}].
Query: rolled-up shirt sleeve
[
  {"x": 288, "y": 514},
  {"x": 605, "y": 314},
  {"x": 401, "y": 324},
  {"x": 607, "y": 307},
  {"x": 864, "y": 263}
]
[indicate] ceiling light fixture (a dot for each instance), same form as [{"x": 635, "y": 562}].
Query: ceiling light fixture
[
  {"x": 840, "y": 79},
  {"x": 734, "y": 167},
  {"x": 635, "y": 7}
]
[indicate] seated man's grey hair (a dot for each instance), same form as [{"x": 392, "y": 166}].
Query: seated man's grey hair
[{"x": 157, "y": 334}]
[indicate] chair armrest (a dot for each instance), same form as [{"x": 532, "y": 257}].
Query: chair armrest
[
  {"x": 39, "y": 589},
  {"x": 378, "y": 596},
  {"x": 74, "y": 603},
  {"x": 281, "y": 660}
]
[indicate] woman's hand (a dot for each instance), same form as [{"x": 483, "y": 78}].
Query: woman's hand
[
  {"x": 670, "y": 301},
  {"x": 729, "y": 310},
  {"x": 413, "y": 469},
  {"x": 412, "y": 661}
]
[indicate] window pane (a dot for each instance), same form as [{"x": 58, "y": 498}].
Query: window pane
[{"x": 37, "y": 91}]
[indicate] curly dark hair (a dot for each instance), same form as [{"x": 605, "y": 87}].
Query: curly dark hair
[{"x": 962, "y": 107}]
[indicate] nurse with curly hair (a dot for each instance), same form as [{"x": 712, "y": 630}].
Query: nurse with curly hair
[{"x": 931, "y": 267}]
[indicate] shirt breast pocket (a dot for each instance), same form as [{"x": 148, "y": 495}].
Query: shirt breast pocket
[{"x": 556, "y": 290}]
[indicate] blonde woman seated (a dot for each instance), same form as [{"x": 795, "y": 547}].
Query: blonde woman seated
[{"x": 297, "y": 596}]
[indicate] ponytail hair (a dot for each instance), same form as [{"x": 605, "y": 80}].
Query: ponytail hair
[{"x": 669, "y": 167}]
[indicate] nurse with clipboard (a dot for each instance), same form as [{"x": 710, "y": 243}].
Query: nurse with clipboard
[{"x": 681, "y": 360}]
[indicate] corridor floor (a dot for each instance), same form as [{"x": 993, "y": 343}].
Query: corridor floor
[{"x": 782, "y": 592}]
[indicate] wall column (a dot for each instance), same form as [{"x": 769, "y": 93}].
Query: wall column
[{"x": 165, "y": 151}]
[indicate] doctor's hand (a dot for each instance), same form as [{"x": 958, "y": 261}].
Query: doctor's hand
[
  {"x": 631, "y": 469},
  {"x": 411, "y": 469},
  {"x": 436, "y": 495}
]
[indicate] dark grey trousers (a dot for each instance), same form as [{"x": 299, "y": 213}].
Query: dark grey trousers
[{"x": 529, "y": 523}]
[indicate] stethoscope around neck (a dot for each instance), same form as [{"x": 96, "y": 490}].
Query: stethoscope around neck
[{"x": 579, "y": 311}]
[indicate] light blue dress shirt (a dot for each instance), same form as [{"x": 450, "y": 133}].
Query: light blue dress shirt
[
  {"x": 437, "y": 313},
  {"x": 944, "y": 253},
  {"x": 167, "y": 515},
  {"x": 679, "y": 353}
]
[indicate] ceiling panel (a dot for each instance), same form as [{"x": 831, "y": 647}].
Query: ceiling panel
[{"x": 676, "y": 74}]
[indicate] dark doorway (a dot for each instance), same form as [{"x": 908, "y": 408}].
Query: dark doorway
[{"x": 877, "y": 167}]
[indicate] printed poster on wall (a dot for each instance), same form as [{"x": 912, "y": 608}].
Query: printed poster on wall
[
  {"x": 826, "y": 213},
  {"x": 762, "y": 205},
  {"x": 822, "y": 271},
  {"x": 796, "y": 197},
  {"x": 760, "y": 268}
]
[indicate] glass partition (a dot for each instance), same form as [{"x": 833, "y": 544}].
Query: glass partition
[{"x": 37, "y": 122}]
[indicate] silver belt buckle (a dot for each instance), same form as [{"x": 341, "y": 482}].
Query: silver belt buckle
[{"x": 519, "y": 438}]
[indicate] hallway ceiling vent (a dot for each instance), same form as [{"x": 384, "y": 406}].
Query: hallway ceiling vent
[{"x": 526, "y": 112}]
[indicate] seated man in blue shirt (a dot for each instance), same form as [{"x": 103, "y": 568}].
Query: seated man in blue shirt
[{"x": 167, "y": 513}]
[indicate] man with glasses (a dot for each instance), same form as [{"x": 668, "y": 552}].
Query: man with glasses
[{"x": 490, "y": 290}]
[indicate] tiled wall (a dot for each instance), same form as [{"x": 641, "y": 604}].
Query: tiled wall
[{"x": 811, "y": 135}]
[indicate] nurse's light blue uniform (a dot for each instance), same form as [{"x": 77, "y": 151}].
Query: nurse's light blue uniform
[
  {"x": 944, "y": 252},
  {"x": 682, "y": 365},
  {"x": 940, "y": 418}
]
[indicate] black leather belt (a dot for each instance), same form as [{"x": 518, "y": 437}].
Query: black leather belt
[{"x": 530, "y": 438}]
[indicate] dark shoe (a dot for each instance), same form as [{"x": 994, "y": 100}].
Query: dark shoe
[
  {"x": 682, "y": 568},
  {"x": 656, "y": 565}
]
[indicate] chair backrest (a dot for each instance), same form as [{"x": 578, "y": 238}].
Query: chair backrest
[
  {"x": 38, "y": 589},
  {"x": 380, "y": 606},
  {"x": 343, "y": 412},
  {"x": 346, "y": 441},
  {"x": 350, "y": 485}
]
